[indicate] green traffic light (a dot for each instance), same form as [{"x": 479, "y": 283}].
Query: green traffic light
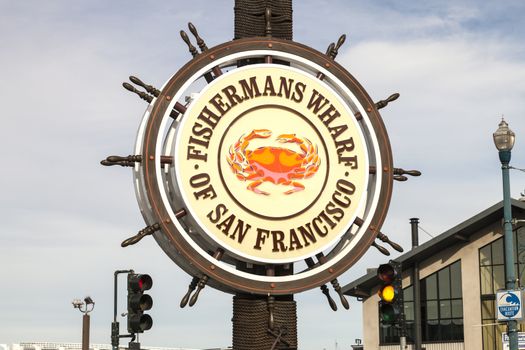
[{"x": 388, "y": 312}]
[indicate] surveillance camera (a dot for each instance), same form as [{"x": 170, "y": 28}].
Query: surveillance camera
[{"x": 77, "y": 303}]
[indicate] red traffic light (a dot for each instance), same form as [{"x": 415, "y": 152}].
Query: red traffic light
[
  {"x": 140, "y": 282},
  {"x": 386, "y": 273},
  {"x": 138, "y": 302}
]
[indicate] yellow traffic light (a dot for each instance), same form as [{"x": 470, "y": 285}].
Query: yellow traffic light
[
  {"x": 387, "y": 293},
  {"x": 391, "y": 293}
]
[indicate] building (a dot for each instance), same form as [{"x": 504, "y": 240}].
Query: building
[{"x": 459, "y": 272}]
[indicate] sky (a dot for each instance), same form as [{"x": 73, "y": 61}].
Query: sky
[{"x": 458, "y": 65}]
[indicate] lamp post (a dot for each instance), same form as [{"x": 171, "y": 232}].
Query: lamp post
[
  {"x": 504, "y": 141},
  {"x": 85, "y": 307}
]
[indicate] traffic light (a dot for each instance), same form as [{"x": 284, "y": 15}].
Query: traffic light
[
  {"x": 138, "y": 302},
  {"x": 391, "y": 293}
]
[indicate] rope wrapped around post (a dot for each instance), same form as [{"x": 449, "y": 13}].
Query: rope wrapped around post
[
  {"x": 250, "y": 324},
  {"x": 250, "y": 19}
]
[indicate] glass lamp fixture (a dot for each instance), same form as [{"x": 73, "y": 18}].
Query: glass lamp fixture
[{"x": 504, "y": 137}]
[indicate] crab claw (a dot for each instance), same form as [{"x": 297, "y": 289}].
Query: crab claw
[
  {"x": 259, "y": 133},
  {"x": 287, "y": 138}
]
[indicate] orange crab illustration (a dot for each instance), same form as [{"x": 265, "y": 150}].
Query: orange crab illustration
[{"x": 280, "y": 166}]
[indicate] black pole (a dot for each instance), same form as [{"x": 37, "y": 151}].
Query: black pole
[
  {"x": 402, "y": 317},
  {"x": 417, "y": 287},
  {"x": 115, "y": 329},
  {"x": 115, "y": 296}
]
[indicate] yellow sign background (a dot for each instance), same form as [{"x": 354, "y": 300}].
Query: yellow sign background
[{"x": 277, "y": 227}]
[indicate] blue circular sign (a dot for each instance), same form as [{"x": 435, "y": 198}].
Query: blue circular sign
[{"x": 509, "y": 304}]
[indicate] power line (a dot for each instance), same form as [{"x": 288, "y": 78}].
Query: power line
[{"x": 422, "y": 229}]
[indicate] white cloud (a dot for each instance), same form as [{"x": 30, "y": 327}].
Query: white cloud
[{"x": 453, "y": 90}]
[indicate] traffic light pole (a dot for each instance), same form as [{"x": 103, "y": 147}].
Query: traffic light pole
[
  {"x": 115, "y": 329},
  {"x": 417, "y": 286},
  {"x": 403, "y": 331},
  {"x": 133, "y": 345},
  {"x": 400, "y": 302}
]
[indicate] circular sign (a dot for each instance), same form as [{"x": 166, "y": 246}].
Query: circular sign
[
  {"x": 509, "y": 304},
  {"x": 271, "y": 164},
  {"x": 266, "y": 167}
]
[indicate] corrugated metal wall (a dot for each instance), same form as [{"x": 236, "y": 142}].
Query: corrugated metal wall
[{"x": 433, "y": 346}]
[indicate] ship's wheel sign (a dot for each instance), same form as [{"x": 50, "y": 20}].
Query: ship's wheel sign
[
  {"x": 262, "y": 166},
  {"x": 271, "y": 164}
]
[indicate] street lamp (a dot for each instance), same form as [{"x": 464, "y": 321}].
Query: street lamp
[
  {"x": 504, "y": 140},
  {"x": 85, "y": 307}
]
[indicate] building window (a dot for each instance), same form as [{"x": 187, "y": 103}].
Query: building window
[
  {"x": 408, "y": 303},
  {"x": 492, "y": 279},
  {"x": 442, "y": 305}
]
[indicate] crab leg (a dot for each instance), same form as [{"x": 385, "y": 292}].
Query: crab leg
[
  {"x": 296, "y": 187},
  {"x": 253, "y": 187}
]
